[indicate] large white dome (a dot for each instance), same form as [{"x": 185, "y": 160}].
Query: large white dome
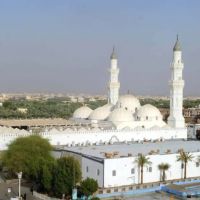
[
  {"x": 101, "y": 113},
  {"x": 128, "y": 102},
  {"x": 149, "y": 112},
  {"x": 120, "y": 115},
  {"x": 82, "y": 112}
]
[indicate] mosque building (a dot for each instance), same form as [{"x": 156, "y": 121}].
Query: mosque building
[
  {"x": 108, "y": 140},
  {"x": 126, "y": 112},
  {"x": 123, "y": 118}
]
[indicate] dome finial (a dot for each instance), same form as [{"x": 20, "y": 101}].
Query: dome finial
[{"x": 113, "y": 55}]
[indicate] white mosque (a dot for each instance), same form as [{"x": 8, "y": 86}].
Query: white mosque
[
  {"x": 108, "y": 140},
  {"x": 125, "y": 112},
  {"x": 123, "y": 118}
]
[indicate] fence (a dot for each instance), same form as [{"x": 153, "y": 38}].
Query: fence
[{"x": 43, "y": 196}]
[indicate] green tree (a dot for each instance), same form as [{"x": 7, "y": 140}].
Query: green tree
[
  {"x": 184, "y": 158},
  {"x": 29, "y": 155},
  {"x": 95, "y": 198},
  {"x": 163, "y": 167},
  {"x": 46, "y": 178},
  {"x": 67, "y": 173},
  {"x": 89, "y": 186},
  {"x": 142, "y": 161}
]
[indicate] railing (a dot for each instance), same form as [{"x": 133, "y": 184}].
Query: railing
[
  {"x": 43, "y": 196},
  {"x": 127, "y": 188}
]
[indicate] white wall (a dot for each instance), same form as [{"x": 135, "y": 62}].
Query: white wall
[
  {"x": 93, "y": 167},
  {"x": 64, "y": 138},
  {"x": 122, "y": 166},
  {"x": 57, "y": 137},
  {"x": 6, "y": 138},
  {"x": 123, "y": 170}
]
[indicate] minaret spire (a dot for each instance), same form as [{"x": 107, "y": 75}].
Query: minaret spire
[
  {"x": 114, "y": 84},
  {"x": 176, "y": 119},
  {"x": 177, "y": 46},
  {"x": 113, "y": 55}
]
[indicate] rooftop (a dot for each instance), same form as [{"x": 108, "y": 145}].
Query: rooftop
[
  {"x": 133, "y": 149},
  {"x": 34, "y": 122}
]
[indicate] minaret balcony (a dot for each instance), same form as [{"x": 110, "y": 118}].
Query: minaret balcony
[
  {"x": 177, "y": 83},
  {"x": 114, "y": 85}
]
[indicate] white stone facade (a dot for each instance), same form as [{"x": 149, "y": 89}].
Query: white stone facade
[
  {"x": 114, "y": 84},
  {"x": 123, "y": 169},
  {"x": 176, "y": 118},
  {"x": 88, "y": 137}
]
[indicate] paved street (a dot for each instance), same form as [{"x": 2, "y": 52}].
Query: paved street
[{"x": 14, "y": 191}]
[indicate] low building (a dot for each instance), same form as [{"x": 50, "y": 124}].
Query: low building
[
  {"x": 193, "y": 131},
  {"x": 115, "y": 165},
  {"x": 22, "y": 110}
]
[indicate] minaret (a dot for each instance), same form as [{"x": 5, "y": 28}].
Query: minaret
[
  {"x": 114, "y": 84},
  {"x": 176, "y": 119}
]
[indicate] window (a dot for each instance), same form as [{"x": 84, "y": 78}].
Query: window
[
  {"x": 197, "y": 164},
  {"x": 150, "y": 169},
  {"x": 98, "y": 172},
  {"x": 132, "y": 171},
  {"x": 182, "y": 165},
  {"x": 146, "y": 117},
  {"x": 87, "y": 169},
  {"x": 114, "y": 173}
]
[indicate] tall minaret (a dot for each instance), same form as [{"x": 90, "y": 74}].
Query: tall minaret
[
  {"x": 176, "y": 119},
  {"x": 114, "y": 84}
]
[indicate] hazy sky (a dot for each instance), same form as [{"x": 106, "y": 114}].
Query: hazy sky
[{"x": 65, "y": 45}]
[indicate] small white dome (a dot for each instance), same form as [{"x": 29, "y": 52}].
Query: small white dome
[
  {"x": 120, "y": 115},
  {"x": 101, "y": 113},
  {"x": 149, "y": 112},
  {"x": 108, "y": 106},
  {"x": 82, "y": 112},
  {"x": 128, "y": 102}
]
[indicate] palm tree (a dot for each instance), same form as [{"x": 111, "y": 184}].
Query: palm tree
[
  {"x": 163, "y": 167},
  {"x": 142, "y": 161},
  {"x": 185, "y": 157}
]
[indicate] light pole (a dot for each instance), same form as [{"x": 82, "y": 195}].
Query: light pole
[
  {"x": 19, "y": 177},
  {"x": 9, "y": 191}
]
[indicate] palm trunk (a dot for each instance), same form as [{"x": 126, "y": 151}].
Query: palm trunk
[
  {"x": 160, "y": 175},
  {"x": 163, "y": 175},
  {"x": 141, "y": 174},
  {"x": 185, "y": 170}
]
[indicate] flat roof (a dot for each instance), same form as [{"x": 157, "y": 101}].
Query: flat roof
[
  {"x": 34, "y": 122},
  {"x": 133, "y": 149}
]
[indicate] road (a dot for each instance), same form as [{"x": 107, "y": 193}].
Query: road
[{"x": 14, "y": 191}]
